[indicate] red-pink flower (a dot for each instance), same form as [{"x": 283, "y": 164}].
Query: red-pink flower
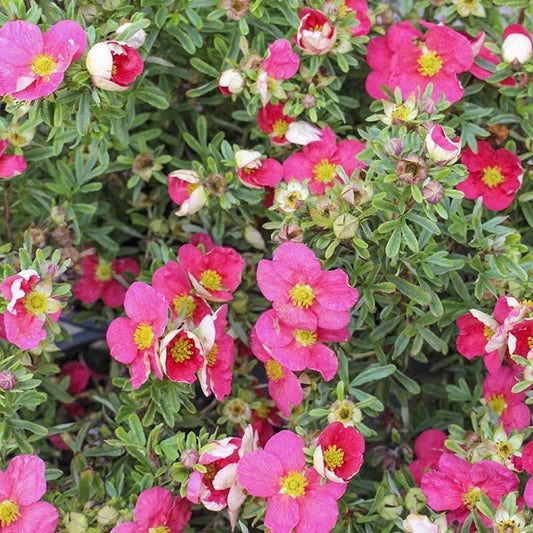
[
  {"x": 273, "y": 121},
  {"x": 215, "y": 274},
  {"x": 297, "y": 501},
  {"x": 173, "y": 284},
  {"x": 79, "y": 374},
  {"x": 302, "y": 294},
  {"x": 298, "y": 349},
  {"x": 29, "y": 305},
  {"x": 495, "y": 175},
  {"x": 100, "y": 279},
  {"x": 215, "y": 375},
  {"x": 22, "y": 485},
  {"x": 361, "y": 14},
  {"x": 339, "y": 452},
  {"x": 429, "y": 446},
  {"x": 527, "y": 463},
  {"x": 33, "y": 65},
  {"x": 157, "y": 511},
  {"x": 508, "y": 406},
  {"x": 186, "y": 190},
  {"x": 521, "y": 339},
  {"x": 11, "y": 165},
  {"x": 407, "y": 59},
  {"x": 133, "y": 340},
  {"x": 318, "y": 161},
  {"x": 457, "y": 486},
  {"x": 481, "y": 51},
  {"x": 256, "y": 172},
  {"x": 283, "y": 386},
  {"x": 281, "y": 62},
  {"x": 316, "y": 34}
]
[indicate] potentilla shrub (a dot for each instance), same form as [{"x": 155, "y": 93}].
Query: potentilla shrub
[{"x": 266, "y": 266}]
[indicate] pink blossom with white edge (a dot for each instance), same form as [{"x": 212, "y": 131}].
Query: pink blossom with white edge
[
  {"x": 439, "y": 148},
  {"x": 316, "y": 34},
  {"x": 186, "y": 190},
  {"x": 231, "y": 81}
]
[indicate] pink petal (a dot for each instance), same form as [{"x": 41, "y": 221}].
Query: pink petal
[
  {"x": 25, "y": 330},
  {"x": 143, "y": 304},
  {"x": 66, "y": 40},
  {"x": 282, "y": 514},
  {"x": 113, "y": 294},
  {"x": 323, "y": 360},
  {"x": 140, "y": 370},
  {"x": 40, "y": 87},
  {"x": 120, "y": 340},
  {"x": 318, "y": 512},
  {"x": 287, "y": 447},
  {"x": 152, "y": 507},
  {"x": 25, "y": 473},
  {"x": 39, "y": 517},
  {"x": 127, "y": 527},
  {"x": 88, "y": 290},
  {"x": 259, "y": 473},
  {"x": 11, "y": 165}
]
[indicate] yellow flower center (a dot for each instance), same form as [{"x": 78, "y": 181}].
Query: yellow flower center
[
  {"x": 237, "y": 407},
  {"x": 9, "y": 513},
  {"x": 508, "y": 526},
  {"x": 504, "y": 450},
  {"x": 401, "y": 112},
  {"x": 280, "y": 127},
  {"x": 530, "y": 342},
  {"x": 143, "y": 336},
  {"x": 497, "y": 403},
  {"x": 212, "y": 355},
  {"x": 293, "y": 484},
  {"x": 184, "y": 305},
  {"x": 333, "y": 457},
  {"x": 263, "y": 411},
  {"x": 182, "y": 350},
  {"x": 159, "y": 529},
  {"x": 325, "y": 171},
  {"x": 210, "y": 279},
  {"x": 302, "y": 296},
  {"x": 305, "y": 337},
  {"x": 471, "y": 497},
  {"x": 43, "y": 65},
  {"x": 488, "y": 332},
  {"x": 293, "y": 199},
  {"x": 192, "y": 187},
  {"x": 103, "y": 272},
  {"x": 430, "y": 63},
  {"x": 344, "y": 413},
  {"x": 492, "y": 176},
  {"x": 36, "y": 302},
  {"x": 273, "y": 370}
]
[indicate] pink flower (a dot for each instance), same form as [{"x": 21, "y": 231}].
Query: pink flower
[
  {"x": 79, "y": 374},
  {"x": 157, "y": 511},
  {"x": 318, "y": 161},
  {"x": 302, "y": 294},
  {"x": 133, "y": 340},
  {"x": 316, "y": 34},
  {"x": 186, "y": 190},
  {"x": 339, "y": 452},
  {"x": 11, "y": 165},
  {"x": 429, "y": 446},
  {"x": 361, "y": 14},
  {"x": 215, "y": 274},
  {"x": 407, "y": 59},
  {"x": 201, "y": 486},
  {"x": 480, "y": 50},
  {"x": 100, "y": 279},
  {"x": 527, "y": 462},
  {"x": 457, "y": 486},
  {"x": 283, "y": 386},
  {"x": 521, "y": 339},
  {"x": 298, "y": 349},
  {"x": 203, "y": 239},
  {"x": 215, "y": 375},
  {"x": 281, "y": 62},
  {"x": 296, "y": 498},
  {"x": 33, "y": 65},
  {"x": 173, "y": 284},
  {"x": 29, "y": 305},
  {"x": 508, "y": 406},
  {"x": 441, "y": 150},
  {"x": 256, "y": 172},
  {"x": 22, "y": 485},
  {"x": 113, "y": 65},
  {"x": 495, "y": 175},
  {"x": 517, "y": 46},
  {"x": 271, "y": 120}
]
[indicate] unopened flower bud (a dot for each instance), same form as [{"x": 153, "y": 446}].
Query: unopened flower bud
[
  {"x": 394, "y": 146},
  {"x": 231, "y": 81},
  {"x": 240, "y": 303},
  {"x": 433, "y": 192},
  {"x": 439, "y": 148},
  {"x": 345, "y": 226},
  {"x": 309, "y": 101},
  {"x": 289, "y": 233},
  {"x": 253, "y": 237},
  {"x": 7, "y": 380},
  {"x": 302, "y": 133},
  {"x": 107, "y": 516},
  {"x": 235, "y": 9},
  {"x": 189, "y": 458},
  {"x": 517, "y": 47},
  {"x": 137, "y": 39},
  {"x": 412, "y": 169},
  {"x": 428, "y": 106},
  {"x": 216, "y": 185}
]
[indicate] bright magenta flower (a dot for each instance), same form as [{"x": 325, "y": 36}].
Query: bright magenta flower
[
  {"x": 273, "y": 121},
  {"x": 495, "y": 175},
  {"x": 302, "y": 294},
  {"x": 22, "y": 485},
  {"x": 11, "y": 165},
  {"x": 429, "y": 446},
  {"x": 318, "y": 161},
  {"x": 133, "y": 340},
  {"x": 457, "y": 485},
  {"x": 186, "y": 190},
  {"x": 99, "y": 279},
  {"x": 156, "y": 511},
  {"x": 339, "y": 452},
  {"x": 181, "y": 355},
  {"x": 297, "y": 501},
  {"x": 508, "y": 406},
  {"x": 256, "y": 172},
  {"x": 361, "y": 14},
  {"x": 298, "y": 349},
  {"x": 521, "y": 339},
  {"x": 281, "y": 62},
  {"x": 527, "y": 462},
  {"x": 29, "y": 306},
  {"x": 215, "y": 274},
  {"x": 33, "y": 65},
  {"x": 407, "y": 59}
]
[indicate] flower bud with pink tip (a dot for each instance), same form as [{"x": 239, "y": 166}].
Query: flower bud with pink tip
[
  {"x": 517, "y": 45},
  {"x": 439, "y": 148},
  {"x": 316, "y": 34},
  {"x": 231, "y": 81}
]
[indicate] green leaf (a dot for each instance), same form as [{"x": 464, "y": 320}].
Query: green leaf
[
  {"x": 410, "y": 290},
  {"x": 374, "y": 373}
]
